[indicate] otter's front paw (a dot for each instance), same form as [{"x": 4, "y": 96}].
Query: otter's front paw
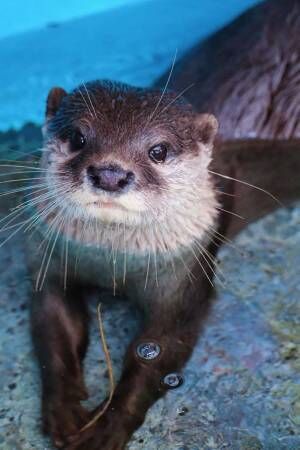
[
  {"x": 63, "y": 418},
  {"x": 111, "y": 432}
]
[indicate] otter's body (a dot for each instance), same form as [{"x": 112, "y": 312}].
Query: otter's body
[
  {"x": 247, "y": 74},
  {"x": 134, "y": 197}
]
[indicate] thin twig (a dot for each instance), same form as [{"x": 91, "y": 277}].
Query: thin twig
[{"x": 110, "y": 373}]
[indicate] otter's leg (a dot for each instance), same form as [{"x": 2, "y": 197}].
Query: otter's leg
[
  {"x": 59, "y": 328},
  {"x": 173, "y": 325}
]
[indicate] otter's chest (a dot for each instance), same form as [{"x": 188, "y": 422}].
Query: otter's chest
[
  {"x": 108, "y": 268},
  {"x": 138, "y": 274}
]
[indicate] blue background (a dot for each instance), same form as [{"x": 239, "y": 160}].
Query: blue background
[{"x": 47, "y": 43}]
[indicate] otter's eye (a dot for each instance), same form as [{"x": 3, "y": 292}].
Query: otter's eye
[
  {"x": 158, "y": 153},
  {"x": 77, "y": 141}
]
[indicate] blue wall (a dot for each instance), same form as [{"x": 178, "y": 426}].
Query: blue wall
[
  {"x": 133, "y": 44},
  {"x": 23, "y": 15}
]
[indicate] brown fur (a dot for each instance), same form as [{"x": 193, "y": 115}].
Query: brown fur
[{"x": 247, "y": 74}]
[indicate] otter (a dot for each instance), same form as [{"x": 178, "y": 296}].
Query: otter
[
  {"x": 135, "y": 194},
  {"x": 130, "y": 200}
]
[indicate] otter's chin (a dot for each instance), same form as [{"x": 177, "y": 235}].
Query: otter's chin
[
  {"x": 112, "y": 214},
  {"x": 127, "y": 208},
  {"x": 106, "y": 211}
]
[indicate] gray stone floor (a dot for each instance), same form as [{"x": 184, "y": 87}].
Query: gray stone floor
[{"x": 241, "y": 389}]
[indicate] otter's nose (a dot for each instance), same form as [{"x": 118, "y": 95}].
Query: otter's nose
[{"x": 109, "y": 178}]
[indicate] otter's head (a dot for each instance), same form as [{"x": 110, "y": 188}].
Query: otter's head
[{"x": 127, "y": 155}]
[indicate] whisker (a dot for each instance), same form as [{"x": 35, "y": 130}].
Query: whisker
[
  {"x": 86, "y": 104},
  {"x": 22, "y": 189},
  {"x": 79, "y": 250},
  {"x": 50, "y": 255},
  {"x": 13, "y": 233},
  {"x": 176, "y": 98},
  {"x": 230, "y": 212},
  {"x": 223, "y": 240},
  {"x": 24, "y": 154},
  {"x": 6, "y": 227},
  {"x": 245, "y": 183},
  {"x": 38, "y": 286},
  {"x": 147, "y": 272},
  {"x": 37, "y": 283},
  {"x": 209, "y": 255},
  {"x": 172, "y": 262},
  {"x": 44, "y": 213},
  {"x": 210, "y": 262},
  {"x": 66, "y": 263},
  {"x": 90, "y": 100},
  {"x": 164, "y": 90},
  {"x": 38, "y": 198},
  {"x": 19, "y": 172},
  {"x": 219, "y": 235},
  {"x": 22, "y": 179},
  {"x": 19, "y": 209},
  {"x": 201, "y": 265},
  {"x": 125, "y": 257},
  {"x": 22, "y": 166},
  {"x": 155, "y": 265},
  {"x": 218, "y": 191},
  {"x": 188, "y": 270}
]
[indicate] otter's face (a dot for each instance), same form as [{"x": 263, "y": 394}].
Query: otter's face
[{"x": 126, "y": 155}]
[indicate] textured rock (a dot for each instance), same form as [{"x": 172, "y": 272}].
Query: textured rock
[{"x": 241, "y": 389}]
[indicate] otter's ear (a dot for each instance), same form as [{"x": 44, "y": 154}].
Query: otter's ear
[
  {"x": 206, "y": 126},
  {"x": 54, "y": 99}
]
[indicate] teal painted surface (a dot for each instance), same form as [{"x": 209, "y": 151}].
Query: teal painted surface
[
  {"x": 134, "y": 44},
  {"x": 18, "y": 16}
]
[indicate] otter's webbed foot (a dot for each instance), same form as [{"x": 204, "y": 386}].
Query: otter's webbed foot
[
  {"x": 63, "y": 418},
  {"x": 111, "y": 432}
]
